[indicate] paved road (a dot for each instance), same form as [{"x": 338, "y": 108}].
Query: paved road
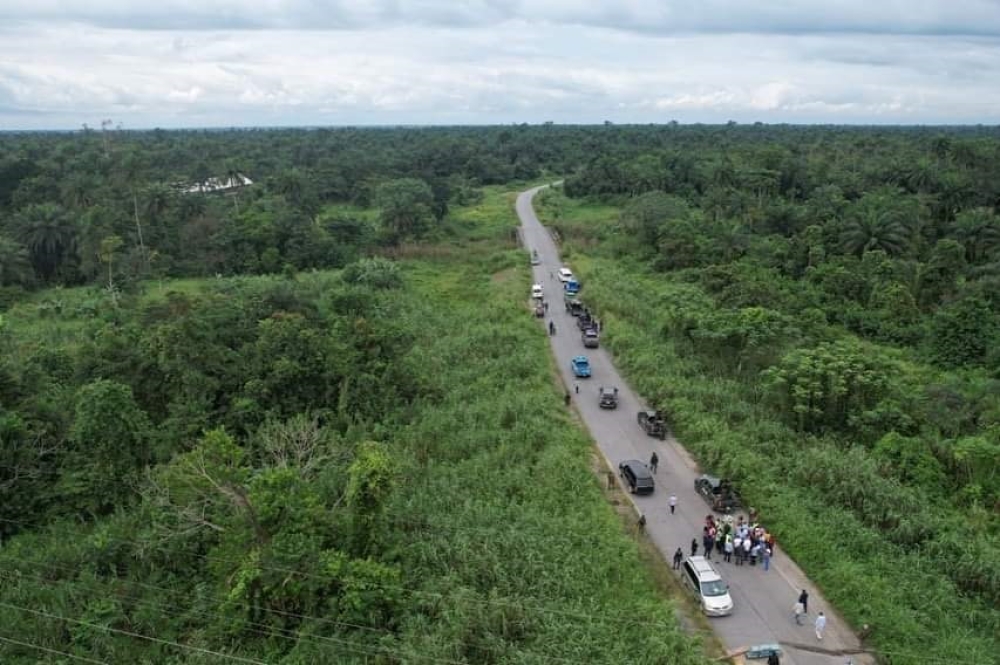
[{"x": 763, "y": 600}]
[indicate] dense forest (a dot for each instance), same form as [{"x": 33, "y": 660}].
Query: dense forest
[{"x": 282, "y": 423}]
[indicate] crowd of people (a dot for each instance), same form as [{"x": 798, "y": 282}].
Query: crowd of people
[{"x": 743, "y": 540}]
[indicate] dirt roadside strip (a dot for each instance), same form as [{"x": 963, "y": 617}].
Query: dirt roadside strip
[{"x": 763, "y": 600}]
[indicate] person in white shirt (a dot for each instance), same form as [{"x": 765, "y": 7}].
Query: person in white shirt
[
  {"x": 820, "y": 625},
  {"x": 799, "y": 611}
]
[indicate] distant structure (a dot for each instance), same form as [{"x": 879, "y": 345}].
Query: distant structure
[{"x": 234, "y": 181}]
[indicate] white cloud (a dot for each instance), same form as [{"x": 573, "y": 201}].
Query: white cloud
[{"x": 486, "y": 61}]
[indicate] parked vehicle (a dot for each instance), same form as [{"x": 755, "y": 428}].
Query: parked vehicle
[
  {"x": 565, "y": 274},
  {"x": 718, "y": 492},
  {"x": 571, "y": 287},
  {"x": 591, "y": 339},
  {"x": 608, "y": 397},
  {"x": 534, "y": 257},
  {"x": 537, "y": 292},
  {"x": 706, "y": 582},
  {"x": 580, "y": 366},
  {"x": 653, "y": 423},
  {"x": 636, "y": 476},
  {"x": 573, "y": 306},
  {"x": 540, "y": 310},
  {"x": 584, "y": 321}
]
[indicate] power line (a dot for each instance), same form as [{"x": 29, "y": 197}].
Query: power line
[
  {"x": 508, "y": 603},
  {"x": 129, "y": 633},
  {"x": 485, "y": 602},
  {"x": 39, "y": 647},
  {"x": 285, "y": 633}
]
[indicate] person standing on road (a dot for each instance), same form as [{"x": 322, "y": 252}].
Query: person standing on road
[
  {"x": 673, "y": 503},
  {"x": 820, "y": 625},
  {"x": 653, "y": 461},
  {"x": 728, "y": 549},
  {"x": 678, "y": 555},
  {"x": 576, "y": 388},
  {"x": 799, "y": 611},
  {"x": 765, "y": 552},
  {"x": 642, "y": 522},
  {"x": 694, "y": 546},
  {"x": 738, "y": 549},
  {"x": 804, "y": 599},
  {"x": 773, "y": 659},
  {"x": 569, "y": 398}
]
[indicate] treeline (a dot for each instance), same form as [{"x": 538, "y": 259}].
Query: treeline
[
  {"x": 111, "y": 206},
  {"x": 892, "y": 234}
]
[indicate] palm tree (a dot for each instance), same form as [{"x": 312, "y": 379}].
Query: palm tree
[
  {"x": 49, "y": 235},
  {"x": 873, "y": 229},
  {"x": 979, "y": 231},
  {"x": 15, "y": 266}
]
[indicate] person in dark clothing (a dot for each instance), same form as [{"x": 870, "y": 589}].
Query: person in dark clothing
[
  {"x": 569, "y": 398},
  {"x": 653, "y": 462},
  {"x": 552, "y": 328},
  {"x": 694, "y": 546},
  {"x": 804, "y": 599},
  {"x": 641, "y": 523},
  {"x": 773, "y": 659},
  {"x": 678, "y": 555}
]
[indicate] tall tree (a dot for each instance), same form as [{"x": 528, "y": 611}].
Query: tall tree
[
  {"x": 406, "y": 207},
  {"x": 874, "y": 228},
  {"x": 979, "y": 231},
  {"x": 49, "y": 235}
]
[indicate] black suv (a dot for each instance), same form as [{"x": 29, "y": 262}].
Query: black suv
[
  {"x": 608, "y": 397},
  {"x": 637, "y": 476}
]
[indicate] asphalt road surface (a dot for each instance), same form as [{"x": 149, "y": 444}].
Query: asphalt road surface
[{"x": 763, "y": 600}]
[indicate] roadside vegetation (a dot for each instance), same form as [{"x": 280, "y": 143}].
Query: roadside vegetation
[{"x": 826, "y": 337}]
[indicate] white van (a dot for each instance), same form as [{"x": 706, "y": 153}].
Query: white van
[
  {"x": 565, "y": 274},
  {"x": 705, "y": 581},
  {"x": 536, "y": 291}
]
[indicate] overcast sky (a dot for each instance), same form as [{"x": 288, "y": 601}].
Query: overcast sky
[{"x": 185, "y": 63}]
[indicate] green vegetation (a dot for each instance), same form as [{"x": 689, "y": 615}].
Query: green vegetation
[
  {"x": 329, "y": 467},
  {"x": 825, "y": 335},
  {"x": 284, "y": 422}
]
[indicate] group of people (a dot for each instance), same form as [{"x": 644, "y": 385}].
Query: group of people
[
  {"x": 801, "y": 609},
  {"x": 745, "y": 540}
]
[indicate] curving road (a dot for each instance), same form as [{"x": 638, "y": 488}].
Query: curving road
[{"x": 763, "y": 600}]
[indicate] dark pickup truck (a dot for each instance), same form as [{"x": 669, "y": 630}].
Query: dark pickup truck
[
  {"x": 574, "y": 306},
  {"x": 718, "y": 492},
  {"x": 653, "y": 423}
]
